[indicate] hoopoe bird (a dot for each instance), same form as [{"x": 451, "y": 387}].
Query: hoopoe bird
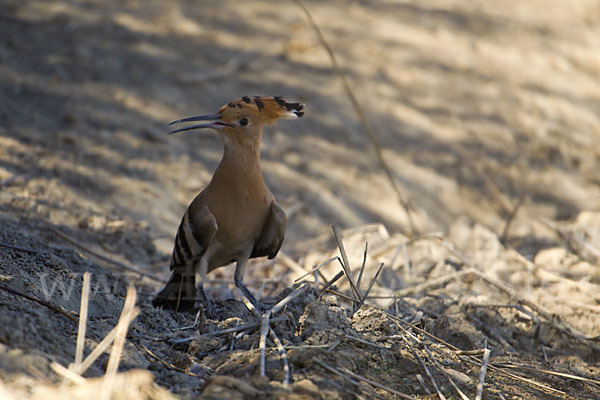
[{"x": 235, "y": 217}]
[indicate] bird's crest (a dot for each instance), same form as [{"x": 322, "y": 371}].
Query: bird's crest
[{"x": 266, "y": 109}]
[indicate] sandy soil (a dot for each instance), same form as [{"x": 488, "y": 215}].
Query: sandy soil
[{"x": 487, "y": 112}]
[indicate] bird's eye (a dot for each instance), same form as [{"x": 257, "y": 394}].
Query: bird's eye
[{"x": 244, "y": 121}]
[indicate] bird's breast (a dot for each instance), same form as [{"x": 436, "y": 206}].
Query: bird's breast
[{"x": 240, "y": 213}]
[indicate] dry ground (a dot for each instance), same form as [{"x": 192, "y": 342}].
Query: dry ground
[{"x": 487, "y": 112}]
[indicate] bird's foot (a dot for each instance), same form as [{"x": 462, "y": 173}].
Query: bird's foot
[{"x": 209, "y": 310}]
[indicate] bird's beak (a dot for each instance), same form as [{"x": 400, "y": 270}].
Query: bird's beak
[{"x": 217, "y": 124}]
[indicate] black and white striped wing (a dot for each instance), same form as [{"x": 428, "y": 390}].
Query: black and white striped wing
[{"x": 195, "y": 232}]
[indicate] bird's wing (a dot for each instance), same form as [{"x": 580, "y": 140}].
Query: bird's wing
[
  {"x": 196, "y": 230},
  {"x": 271, "y": 237}
]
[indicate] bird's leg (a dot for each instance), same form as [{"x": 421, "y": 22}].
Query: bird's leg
[
  {"x": 240, "y": 268},
  {"x": 202, "y": 270}
]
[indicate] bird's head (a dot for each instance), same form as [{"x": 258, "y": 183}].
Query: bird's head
[{"x": 245, "y": 117}]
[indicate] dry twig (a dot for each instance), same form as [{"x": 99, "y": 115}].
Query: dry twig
[
  {"x": 558, "y": 325},
  {"x": 128, "y": 314},
  {"x": 376, "y": 384},
  {"x": 433, "y": 382},
  {"x": 19, "y": 248},
  {"x": 265, "y": 329},
  {"x": 102, "y": 347},
  {"x": 282, "y": 355},
  {"x": 470, "y": 358},
  {"x": 362, "y": 267},
  {"x": 332, "y": 282},
  {"x": 370, "y": 285},
  {"x": 548, "y": 372},
  {"x": 239, "y": 328},
  {"x": 484, "y": 363},
  {"x": 67, "y": 373},
  {"x": 423, "y": 384},
  {"x": 363, "y": 118},
  {"x": 119, "y": 264},
  {"x": 335, "y": 371},
  {"x": 409, "y": 291},
  {"x": 443, "y": 371},
  {"x": 363, "y": 341},
  {"x": 345, "y": 263},
  {"x": 511, "y": 217},
  {"x": 83, "y": 311},
  {"x": 58, "y": 309},
  {"x": 324, "y": 263},
  {"x": 166, "y": 363}
]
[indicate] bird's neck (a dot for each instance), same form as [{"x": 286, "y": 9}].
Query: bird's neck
[
  {"x": 240, "y": 163},
  {"x": 242, "y": 151}
]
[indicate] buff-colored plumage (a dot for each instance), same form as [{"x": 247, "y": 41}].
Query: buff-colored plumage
[{"x": 236, "y": 216}]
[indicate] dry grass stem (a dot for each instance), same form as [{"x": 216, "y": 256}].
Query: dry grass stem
[
  {"x": 482, "y": 371},
  {"x": 323, "y": 264},
  {"x": 406, "y": 258},
  {"x": 285, "y": 301},
  {"x": 290, "y": 263},
  {"x": 345, "y": 389},
  {"x": 345, "y": 263},
  {"x": 431, "y": 378},
  {"x": 569, "y": 239},
  {"x": 109, "y": 260},
  {"x": 545, "y": 354},
  {"x": 195, "y": 324},
  {"x": 423, "y": 384},
  {"x": 558, "y": 325},
  {"x": 335, "y": 371},
  {"x": 363, "y": 341},
  {"x": 342, "y": 295},
  {"x": 366, "y": 295},
  {"x": 51, "y": 306},
  {"x": 520, "y": 378},
  {"x": 469, "y": 358},
  {"x": 492, "y": 332},
  {"x": 67, "y": 373},
  {"x": 362, "y": 266},
  {"x": 265, "y": 329},
  {"x": 83, "y": 311},
  {"x": 442, "y": 280},
  {"x": 127, "y": 316},
  {"x": 165, "y": 363},
  {"x": 332, "y": 281},
  {"x": 477, "y": 352},
  {"x": 101, "y": 347},
  {"x": 443, "y": 371},
  {"x": 511, "y": 217},
  {"x": 593, "y": 290},
  {"x": 377, "y": 384},
  {"x": 363, "y": 119},
  {"x": 239, "y": 328},
  {"x": 548, "y": 372},
  {"x": 396, "y": 254},
  {"x": 282, "y": 355},
  {"x": 19, "y": 248}
]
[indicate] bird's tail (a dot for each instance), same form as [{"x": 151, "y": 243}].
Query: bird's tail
[{"x": 179, "y": 294}]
